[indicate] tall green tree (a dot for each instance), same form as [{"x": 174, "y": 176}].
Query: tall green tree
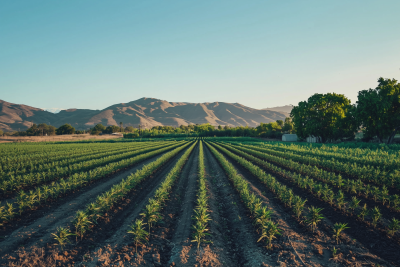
[
  {"x": 65, "y": 129},
  {"x": 378, "y": 110},
  {"x": 327, "y": 116}
]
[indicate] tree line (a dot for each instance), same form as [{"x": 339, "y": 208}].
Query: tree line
[{"x": 332, "y": 117}]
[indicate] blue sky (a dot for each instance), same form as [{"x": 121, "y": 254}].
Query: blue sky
[{"x": 93, "y": 54}]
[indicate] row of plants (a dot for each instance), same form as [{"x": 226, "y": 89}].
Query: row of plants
[
  {"x": 365, "y": 173},
  {"x": 356, "y": 187},
  {"x": 380, "y": 159},
  {"x": 28, "y": 200},
  {"x": 201, "y": 215},
  {"x": 46, "y": 151},
  {"x": 151, "y": 213},
  {"x": 261, "y": 215},
  {"x": 104, "y": 202},
  {"x": 26, "y": 167},
  {"x": 14, "y": 183},
  {"x": 324, "y": 193},
  {"x": 311, "y": 217}
]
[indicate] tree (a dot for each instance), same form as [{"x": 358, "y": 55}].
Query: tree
[
  {"x": 324, "y": 116},
  {"x": 288, "y": 126},
  {"x": 99, "y": 128},
  {"x": 1, "y": 133},
  {"x": 120, "y": 125},
  {"x": 129, "y": 129},
  {"x": 65, "y": 129},
  {"x": 111, "y": 129},
  {"x": 378, "y": 110}
]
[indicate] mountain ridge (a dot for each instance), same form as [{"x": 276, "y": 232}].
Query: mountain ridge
[{"x": 146, "y": 111}]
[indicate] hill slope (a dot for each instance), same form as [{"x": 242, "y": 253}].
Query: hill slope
[{"x": 148, "y": 112}]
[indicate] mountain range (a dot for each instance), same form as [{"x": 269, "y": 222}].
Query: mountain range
[{"x": 147, "y": 112}]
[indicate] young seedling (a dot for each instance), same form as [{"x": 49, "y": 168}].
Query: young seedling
[
  {"x": 81, "y": 223},
  {"x": 393, "y": 227},
  {"x": 269, "y": 231},
  {"x": 62, "y": 236},
  {"x": 363, "y": 212},
  {"x": 298, "y": 205},
  {"x": 354, "y": 203},
  {"x": 199, "y": 233},
  {"x": 314, "y": 217},
  {"x": 376, "y": 216},
  {"x": 150, "y": 214},
  {"x": 334, "y": 253},
  {"x": 138, "y": 232},
  {"x": 337, "y": 230}
]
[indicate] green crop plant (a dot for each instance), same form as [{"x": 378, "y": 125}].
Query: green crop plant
[
  {"x": 81, "y": 223},
  {"x": 354, "y": 203},
  {"x": 139, "y": 234},
  {"x": 269, "y": 231},
  {"x": 199, "y": 233},
  {"x": 363, "y": 212},
  {"x": 62, "y": 236},
  {"x": 340, "y": 199},
  {"x": 376, "y": 216},
  {"x": 151, "y": 214},
  {"x": 263, "y": 215},
  {"x": 393, "y": 227},
  {"x": 298, "y": 205},
  {"x": 314, "y": 217},
  {"x": 338, "y": 229}
]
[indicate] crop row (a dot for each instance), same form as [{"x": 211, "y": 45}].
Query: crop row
[
  {"x": 60, "y": 159},
  {"x": 47, "y": 151},
  {"x": 374, "y": 193},
  {"x": 365, "y": 173},
  {"x": 28, "y": 200},
  {"x": 151, "y": 215},
  {"x": 266, "y": 228},
  {"x": 201, "y": 215},
  {"x": 323, "y": 192},
  {"x": 14, "y": 183},
  {"x": 380, "y": 160}
]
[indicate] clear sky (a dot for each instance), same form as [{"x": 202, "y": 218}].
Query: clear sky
[{"x": 93, "y": 54}]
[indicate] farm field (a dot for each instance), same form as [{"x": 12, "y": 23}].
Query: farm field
[{"x": 199, "y": 202}]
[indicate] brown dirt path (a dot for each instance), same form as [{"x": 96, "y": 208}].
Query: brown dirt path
[
  {"x": 38, "y": 233},
  {"x": 352, "y": 253}
]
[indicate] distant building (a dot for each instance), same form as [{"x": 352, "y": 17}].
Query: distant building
[
  {"x": 314, "y": 139},
  {"x": 289, "y": 137}
]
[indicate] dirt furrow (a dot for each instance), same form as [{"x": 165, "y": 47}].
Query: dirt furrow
[{"x": 38, "y": 234}]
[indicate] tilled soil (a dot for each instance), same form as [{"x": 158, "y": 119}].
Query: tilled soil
[
  {"x": 362, "y": 250},
  {"x": 37, "y": 235}
]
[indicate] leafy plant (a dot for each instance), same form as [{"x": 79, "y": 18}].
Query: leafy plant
[
  {"x": 314, "y": 217},
  {"x": 338, "y": 229},
  {"x": 354, "y": 203},
  {"x": 376, "y": 216},
  {"x": 62, "y": 236},
  {"x": 298, "y": 205},
  {"x": 393, "y": 227},
  {"x": 363, "y": 212},
  {"x": 139, "y": 234},
  {"x": 81, "y": 223},
  {"x": 269, "y": 231}
]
